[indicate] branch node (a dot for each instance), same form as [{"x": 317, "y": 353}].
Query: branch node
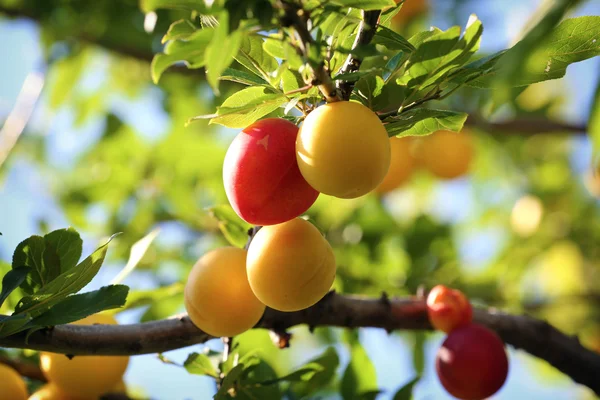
[
  {"x": 281, "y": 339},
  {"x": 385, "y": 300}
]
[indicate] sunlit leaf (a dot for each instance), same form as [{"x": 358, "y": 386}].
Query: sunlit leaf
[
  {"x": 78, "y": 306},
  {"x": 359, "y": 377},
  {"x": 136, "y": 254},
  {"x": 246, "y": 106},
  {"x": 222, "y": 49},
  {"x": 12, "y": 280},
  {"x": 63, "y": 285},
  {"x": 199, "y": 364},
  {"x": 365, "y": 4},
  {"x": 423, "y": 121},
  {"x": 406, "y": 391}
]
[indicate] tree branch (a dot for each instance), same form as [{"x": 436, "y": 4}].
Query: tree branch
[
  {"x": 534, "y": 336},
  {"x": 366, "y": 32},
  {"x": 298, "y": 19},
  {"x": 24, "y": 368},
  {"x": 526, "y": 126}
]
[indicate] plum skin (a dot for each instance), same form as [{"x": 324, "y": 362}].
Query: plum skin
[
  {"x": 261, "y": 176},
  {"x": 448, "y": 308},
  {"x": 472, "y": 364}
]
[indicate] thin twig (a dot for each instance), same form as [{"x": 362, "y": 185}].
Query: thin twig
[
  {"x": 366, "y": 32},
  {"x": 298, "y": 19},
  {"x": 24, "y": 368}
]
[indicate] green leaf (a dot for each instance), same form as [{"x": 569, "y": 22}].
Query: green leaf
[
  {"x": 365, "y": 4},
  {"x": 181, "y": 29},
  {"x": 388, "y": 15},
  {"x": 423, "y": 121},
  {"x": 419, "y": 352},
  {"x": 474, "y": 70},
  {"x": 68, "y": 246},
  {"x": 202, "y": 6},
  {"x": 353, "y": 76},
  {"x": 200, "y": 364},
  {"x": 229, "y": 381},
  {"x": 573, "y": 40},
  {"x": 78, "y": 306},
  {"x": 405, "y": 392},
  {"x": 368, "y": 88},
  {"x": 34, "y": 252},
  {"x": 233, "y": 227},
  {"x": 136, "y": 254},
  {"x": 65, "y": 284},
  {"x": 282, "y": 49},
  {"x": 190, "y": 51},
  {"x": 12, "y": 280},
  {"x": 525, "y": 59},
  {"x": 303, "y": 374},
  {"x": 359, "y": 377},
  {"x": 440, "y": 54},
  {"x": 392, "y": 40},
  {"x": 221, "y": 51},
  {"x": 328, "y": 361},
  {"x": 252, "y": 56},
  {"x": 594, "y": 126},
  {"x": 291, "y": 80},
  {"x": 64, "y": 75},
  {"x": 246, "y": 106},
  {"x": 13, "y": 324},
  {"x": 243, "y": 77}
]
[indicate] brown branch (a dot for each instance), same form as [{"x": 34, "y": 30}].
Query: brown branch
[
  {"x": 366, "y": 32},
  {"x": 534, "y": 336},
  {"x": 298, "y": 19},
  {"x": 24, "y": 368},
  {"x": 526, "y": 126}
]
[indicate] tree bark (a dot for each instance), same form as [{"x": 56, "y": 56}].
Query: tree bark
[{"x": 522, "y": 332}]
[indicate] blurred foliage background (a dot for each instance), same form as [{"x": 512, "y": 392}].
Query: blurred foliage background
[{"x": 107, "y": 151}]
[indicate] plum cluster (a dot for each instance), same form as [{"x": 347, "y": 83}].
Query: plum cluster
[
  {"x": 471, "y": 363},
  {"x": 444, "y": 154},
  {"x": 273, "y": 172}
]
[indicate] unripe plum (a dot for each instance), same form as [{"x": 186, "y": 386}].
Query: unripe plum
[
  {"x": 446, "y": 154},
  {"x": 12, "y": 386},
  {"x": 85, "y": 376},
  {"x": 472, "y": 363},
  {"x": 290, "y": 266},
  {"x": 343, "y": 149},
  {"x": 448, "y": 309},
  {"x": 217, "y": 295},
  {"x": 401, "y": 165},
  {"x": 261, "y": 176}
]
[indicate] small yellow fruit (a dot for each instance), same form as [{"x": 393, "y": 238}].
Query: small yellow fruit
[
  {"x": 120, "y": 387},
  {"x": 52, "y": 392},
  {"x": 401, "y": 166},
  {"x": 343, "y": 149},
  {"x": 12, "y": 386},
  {"x": 218, "y": 298},
  {"x": 446, "y": 154},
  {"x": 290, "y": 265},
  {"x": 85, "y": 376}
]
